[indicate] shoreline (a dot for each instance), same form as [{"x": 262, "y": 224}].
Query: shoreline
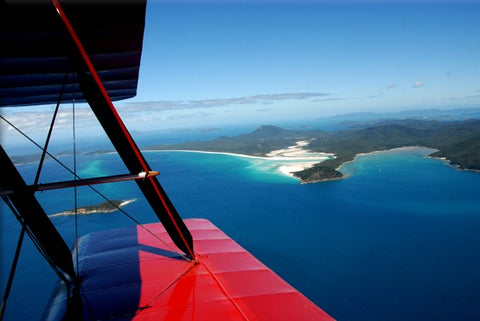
[
  {"x": 447, "y": 162},
  {"x": 279, "y": 158},
  {"x": 396, "y": 149},
  {"x": 200, "y": 152},
  {"x": 296, "y": 157},
  {"x": 399, "y": 149},
  {"x": 305, "y": 161},
  {"x": 93, "y": 211},
  {"x": 344, "y": 176}
]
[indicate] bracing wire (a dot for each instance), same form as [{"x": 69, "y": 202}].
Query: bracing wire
[
  {"x": 98, "y": 192},
  {"x": 74, "y": 173},
  {"x": 24, "y": 227},
  {"x": 75, "y": 197},
  {"x": 35, "y": 241},
  {"x": 13, "y": 268},
  {"x": 50, "y": 130}
]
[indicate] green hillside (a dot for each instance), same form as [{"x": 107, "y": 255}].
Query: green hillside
[{"x": 457, "y": 141}]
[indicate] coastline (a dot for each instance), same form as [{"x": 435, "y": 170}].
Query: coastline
[
  {"x": 200, "y": 152},
  {"x": 85, "y": 210},
  {"x": 291, "y": 159},
  {"x": 447, "y": 162},
  {"x": 273, "y": 155},
  {"x": 297, "y": 158},
  {"x": 344, "y": 176},
  {"x": 396, "y": 149}
]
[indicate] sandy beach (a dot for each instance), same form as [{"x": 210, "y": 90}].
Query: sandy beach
[
  {"x": 286, "y": 161},
  {"x": 298, "y": 156}
]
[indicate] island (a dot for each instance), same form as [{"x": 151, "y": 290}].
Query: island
[
  {"x": 455, "y": 141},
  {"x": 105, "y": 207}
]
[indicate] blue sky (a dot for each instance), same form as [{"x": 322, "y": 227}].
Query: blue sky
[
  {"x": 343, "y": 56},
  {"x": 212, "y": 50},
  {"x": 220, "y": 63}
]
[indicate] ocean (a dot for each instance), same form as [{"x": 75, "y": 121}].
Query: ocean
[{"x": 398, "y": 239}]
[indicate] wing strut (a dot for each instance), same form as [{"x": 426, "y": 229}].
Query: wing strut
[
  {"x": 101, "y": 104},
  {"x": 34, "y": 217}
]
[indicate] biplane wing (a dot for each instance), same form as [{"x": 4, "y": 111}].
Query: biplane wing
[{"x": 37, "y": 51}]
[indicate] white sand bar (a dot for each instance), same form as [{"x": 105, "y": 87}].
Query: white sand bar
[
  {"x": 296, "y": 158},
  {"x": 285, "y": 161}
]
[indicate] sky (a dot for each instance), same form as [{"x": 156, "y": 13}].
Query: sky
[{"x": 208, "y": 64}]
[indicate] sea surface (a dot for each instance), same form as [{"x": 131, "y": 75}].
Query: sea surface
[{"x": 398, "y": 239}]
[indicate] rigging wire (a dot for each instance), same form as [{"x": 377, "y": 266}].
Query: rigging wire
[
  {"x": 24, "y": 229},
  {"x": 180, "y": 275},
  {"x": 50, "y": 130},
  {"x": 74, "y": 172},
  {"x": 99, "y": 193},
  {"x": 110, "y": 110},
  {"x": 13, "y": 269},
  {"x": 75, "y": 197},
  {"x": 36, "y": 242}
]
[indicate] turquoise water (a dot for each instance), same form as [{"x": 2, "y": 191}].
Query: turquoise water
[{"x": 397, "y": 240}]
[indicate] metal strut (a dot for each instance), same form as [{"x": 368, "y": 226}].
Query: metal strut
[{"x": 87, "y": 181}]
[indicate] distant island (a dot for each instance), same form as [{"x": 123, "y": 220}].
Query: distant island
[
  {"x": 456, "y": 141},
  {"x": 105, "y": 207}
]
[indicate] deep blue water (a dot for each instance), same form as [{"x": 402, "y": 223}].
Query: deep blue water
[{"x": 398, "y": 239}]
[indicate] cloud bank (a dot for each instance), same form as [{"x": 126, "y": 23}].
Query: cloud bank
[
  {"x": 36, "y": 120},
  {"x": 163, "y": 105}
]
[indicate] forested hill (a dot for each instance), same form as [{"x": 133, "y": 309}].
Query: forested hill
[
  {"x": 457, "y": 141},
  {"x": 258, "y": 143}
]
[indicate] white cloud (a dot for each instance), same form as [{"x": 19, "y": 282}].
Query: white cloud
[{"x": 417, "y": 84}]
